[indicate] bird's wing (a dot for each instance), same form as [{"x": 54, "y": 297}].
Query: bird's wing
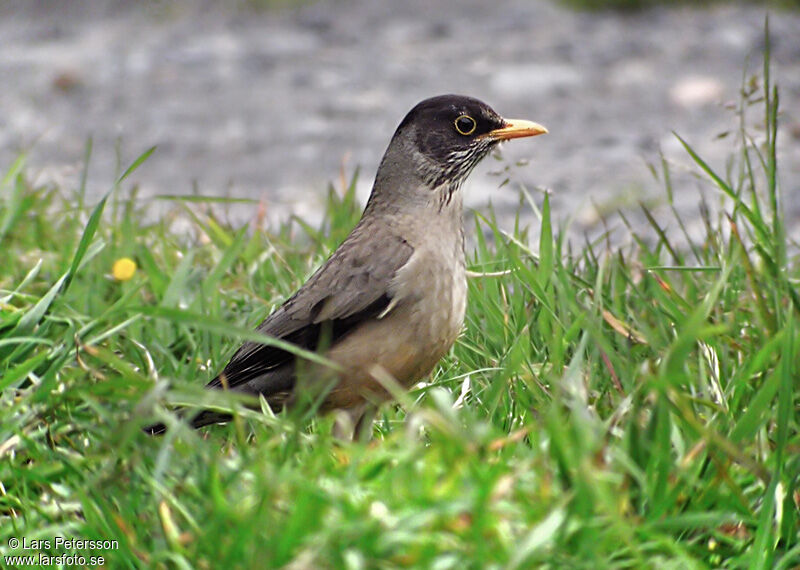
[{"x": 351, "y": 287}]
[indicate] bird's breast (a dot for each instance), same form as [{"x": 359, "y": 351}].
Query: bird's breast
[
  {"x": 424, "y": 319},
  {"x": 432, "y": 288}
]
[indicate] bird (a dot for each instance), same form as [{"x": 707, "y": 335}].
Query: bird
[{"x": 390, "y": 301}]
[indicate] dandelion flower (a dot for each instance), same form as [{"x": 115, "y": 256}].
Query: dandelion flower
[{"x": 123, "y": 269}]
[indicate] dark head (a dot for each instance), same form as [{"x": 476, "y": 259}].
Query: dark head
[{"x": 441, "y": 140}]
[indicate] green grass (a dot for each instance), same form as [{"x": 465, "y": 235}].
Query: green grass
[{"x": 604, "y": 408}]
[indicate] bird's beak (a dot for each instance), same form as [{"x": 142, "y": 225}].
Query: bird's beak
[{"x": 515, "y": 129}]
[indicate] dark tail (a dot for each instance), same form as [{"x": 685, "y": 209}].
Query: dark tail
[
  {"x": 276, "y": 386},
  {"x": 208, "y": 417},
  {"x": 204, "y": 418},
  {"x": 155, "y": 429}
]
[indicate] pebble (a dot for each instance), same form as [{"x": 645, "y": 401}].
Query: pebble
[{"x": 697, "y": 91}]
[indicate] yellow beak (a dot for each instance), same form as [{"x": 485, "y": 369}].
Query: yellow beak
[{"x": 515, "y": 129}]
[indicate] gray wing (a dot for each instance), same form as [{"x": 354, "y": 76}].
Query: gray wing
[{"x": 350, "y": 288}]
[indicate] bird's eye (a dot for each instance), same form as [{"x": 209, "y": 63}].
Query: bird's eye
[{"x": 465, "y": 125}]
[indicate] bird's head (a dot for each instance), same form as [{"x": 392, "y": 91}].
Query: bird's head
[{"x": 444, "y": 137}]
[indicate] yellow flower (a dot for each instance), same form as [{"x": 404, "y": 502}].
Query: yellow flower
[{"x": 123, "y": 269}]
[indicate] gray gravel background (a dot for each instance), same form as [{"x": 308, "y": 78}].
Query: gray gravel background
[{"x": 269, "y": 104}]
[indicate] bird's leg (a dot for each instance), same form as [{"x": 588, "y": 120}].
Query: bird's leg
[
  {"x": 354, "y": 423},
  {"x": 363, "y": 429}
]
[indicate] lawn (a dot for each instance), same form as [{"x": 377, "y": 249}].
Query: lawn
[{"x": 604, "y": 408}]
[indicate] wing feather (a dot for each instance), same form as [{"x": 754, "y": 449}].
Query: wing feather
[{"x": 351, "y": 287}]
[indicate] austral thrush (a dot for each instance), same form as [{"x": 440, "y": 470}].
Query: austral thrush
[{"x": 390, "y": 301}]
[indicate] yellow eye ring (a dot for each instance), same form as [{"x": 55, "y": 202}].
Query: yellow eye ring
[{"x": 465, "y": 124}]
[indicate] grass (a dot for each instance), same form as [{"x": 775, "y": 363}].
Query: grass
[{"x": 603, "y": 409}]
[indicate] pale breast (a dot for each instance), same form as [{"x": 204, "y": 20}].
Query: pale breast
[
  {"x": 409, "y": 340},
  {"x": 424, "y": 318}
]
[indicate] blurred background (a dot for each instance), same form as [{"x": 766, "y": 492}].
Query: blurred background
[{"x": 270, "y": 99}]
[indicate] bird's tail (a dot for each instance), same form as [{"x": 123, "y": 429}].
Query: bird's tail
[
  {"x": 278, "y": 388},
  {"x": 204, "y": 418},
  {"x": 155, "y": 429}
]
